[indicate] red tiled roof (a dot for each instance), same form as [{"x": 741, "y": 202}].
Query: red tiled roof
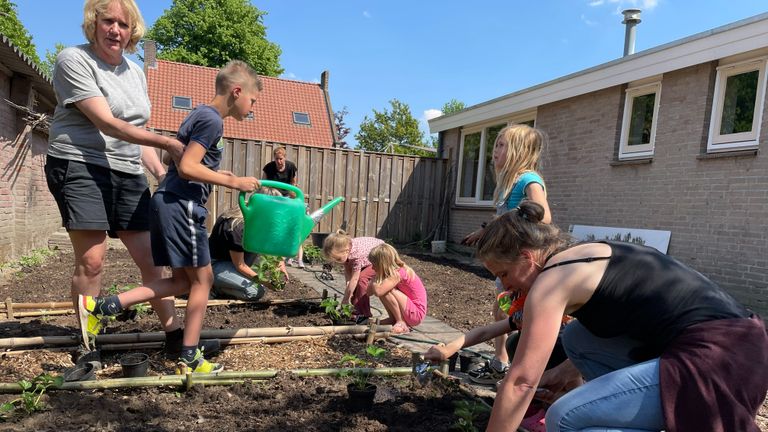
[{"x": 273, "y": 112}]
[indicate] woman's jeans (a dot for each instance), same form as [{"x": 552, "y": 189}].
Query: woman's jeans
[
  {"x": 228, "y": 282},
  {"x": 620, "y": 394}
]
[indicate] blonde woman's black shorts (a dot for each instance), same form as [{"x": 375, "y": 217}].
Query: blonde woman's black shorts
[{"x": 92, "y": 197}]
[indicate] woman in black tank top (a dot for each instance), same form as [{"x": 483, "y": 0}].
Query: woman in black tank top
[{"x": 660, "y": 345}]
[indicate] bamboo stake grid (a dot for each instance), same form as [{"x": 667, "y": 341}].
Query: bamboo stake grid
[{"x": 22, "y": 310}]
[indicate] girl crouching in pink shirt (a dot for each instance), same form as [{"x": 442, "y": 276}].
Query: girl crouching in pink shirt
[{"x": 399, "y": 289}]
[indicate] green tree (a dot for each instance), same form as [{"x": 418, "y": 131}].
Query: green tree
[
  {"x": 13, "y": 29},
  {"x": 213, "y": 32},
  {"x": 453, "y": 106},
  {"x": 50, "y": 58},
  {"x": 392, "y": 131}
]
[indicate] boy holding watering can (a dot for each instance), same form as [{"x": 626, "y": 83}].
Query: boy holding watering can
[{"x": 179, "y": 236}]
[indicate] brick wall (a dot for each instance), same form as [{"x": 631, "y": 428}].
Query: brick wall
[
  {"x": 716, "y": 208},
  {"x": 28, "y": 213}
]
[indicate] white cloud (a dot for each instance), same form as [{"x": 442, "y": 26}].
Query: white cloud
[
  {"x": 587, "y": 21},
  {"x": 596, "y": 3},
  {"x": 431, "y": 113},
  {"x": 289, "y": 75},
  {"x": 366, "y": 14}
]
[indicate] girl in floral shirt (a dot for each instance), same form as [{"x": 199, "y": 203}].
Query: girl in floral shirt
[{"x": 341, "y": 248}]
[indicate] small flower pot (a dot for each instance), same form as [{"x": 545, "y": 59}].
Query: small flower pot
[
  {"x": 360, "y": 399},
  {"x": 452, "y": 362},
  {"x": 83, "y": 372},
  {"x": 467, "y": 360},
  {"x": 344, "y": 322},
  {"x": 318, "y": 238},
  {"x": 134, "y": 365}
]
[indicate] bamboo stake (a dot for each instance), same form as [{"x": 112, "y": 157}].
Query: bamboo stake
[
  {"x": 221, "y": 378},
  {"x": 177, "y": 303},
  {"x": 46, "y": 312},
  {"x": 8, "y": 308},
  {"x": 372, "y": 331}
]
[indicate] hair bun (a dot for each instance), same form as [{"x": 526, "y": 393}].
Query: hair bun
[
  {"x": 531, "y": 211},
  {"x": 341, "y": 232}
]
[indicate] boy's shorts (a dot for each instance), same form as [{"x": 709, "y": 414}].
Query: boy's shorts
[
  {"x": 178, "y": 232},
  {"x": 91, "y": 197}
]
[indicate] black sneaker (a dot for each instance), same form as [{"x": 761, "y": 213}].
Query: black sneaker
[
  {"x": 487, "y": 374},
  {"x": 361, "y": 320},
  {"x": 208, "y": 346}
]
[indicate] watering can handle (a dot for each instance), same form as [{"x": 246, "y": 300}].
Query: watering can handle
[{"x": 284, "y": 186}]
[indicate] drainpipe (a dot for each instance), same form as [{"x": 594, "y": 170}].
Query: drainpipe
[{"x": 631, "y": 19}]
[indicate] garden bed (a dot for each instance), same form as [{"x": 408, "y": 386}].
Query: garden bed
[{"x": 313, "y": 403}]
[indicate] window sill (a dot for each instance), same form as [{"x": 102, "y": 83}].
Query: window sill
[
  {"x": 727, "y": 154},
  {"x": 638, "y": 161},
  {"x": 459, "y": 206}
]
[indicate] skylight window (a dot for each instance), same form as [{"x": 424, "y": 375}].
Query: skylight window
[
  {"x": 182, "y": 102},
  {"x": 301, "y": 118}
]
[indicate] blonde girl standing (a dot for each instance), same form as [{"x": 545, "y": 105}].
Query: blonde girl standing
[
  {"x": 516, "y": 162},
  {"x": 397, "y": 286}
]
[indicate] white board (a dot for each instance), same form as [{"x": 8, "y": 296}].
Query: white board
[{"x": 654, "y": 238}]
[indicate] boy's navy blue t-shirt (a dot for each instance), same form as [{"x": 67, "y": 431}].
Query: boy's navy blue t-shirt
[{"x": 205, "y": 126}]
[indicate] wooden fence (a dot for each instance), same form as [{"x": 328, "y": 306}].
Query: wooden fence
[{"x": 399, "y": 198}]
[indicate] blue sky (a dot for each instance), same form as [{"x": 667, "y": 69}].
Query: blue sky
[{"x": 426, "y": 52}]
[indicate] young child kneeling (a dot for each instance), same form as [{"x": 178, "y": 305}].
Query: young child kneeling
[{"x": 397, "y": 286}]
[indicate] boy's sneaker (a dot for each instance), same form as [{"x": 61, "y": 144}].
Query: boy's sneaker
[
  {"x": 90, "y": 323},
  {"x": 206, "y": 346},
  {"x": 487, "y": 374},
  {"x": 197, "y": 365}
]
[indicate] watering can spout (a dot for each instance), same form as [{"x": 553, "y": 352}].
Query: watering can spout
[{"x": 319, "y": 213}]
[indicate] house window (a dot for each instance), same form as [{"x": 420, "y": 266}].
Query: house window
[
  {"x": 182, "y": 102},
  {"x": 638, "y": 128},
  {"x": 476, "y": 181},
  {"x": 737, "y": 106},
  {"x": 301, "y": 118}
]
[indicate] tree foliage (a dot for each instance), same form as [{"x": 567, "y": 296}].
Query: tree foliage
[
  {"x": 50, "y": 58},
  {"x": 13, "y": 29},
  {"x": 453, "y": 106},
  {"x": 342, "y": 130},
  {"x": 213, "y": 32},
  {"x": 394, "y": 130}
]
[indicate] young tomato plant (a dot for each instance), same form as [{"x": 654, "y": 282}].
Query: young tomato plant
[
  {"x": 31, "y": 392},
  {"x": 335, "y": 311},
  {"x": 360, "y": 378},
  {"x": 268, "y": 272},
  {"x": 467, "y": 412}
]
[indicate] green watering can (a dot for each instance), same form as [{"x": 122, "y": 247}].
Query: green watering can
[{"x": 278, "y": 225}]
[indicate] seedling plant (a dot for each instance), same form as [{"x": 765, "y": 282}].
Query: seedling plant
[
  {"x": 360, "y": 378},
  {"x": 268, "y": 272},
  {"x": 467, "y": 411},
  {"x": 312, "y": 254},
  {"x": 335, "y": 311},
  {"x": 31, "y": 392}
]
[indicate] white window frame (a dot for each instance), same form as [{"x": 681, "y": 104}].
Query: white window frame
[
  {"x": 744, "y": 140},
  {"x": 483, "y": 129},
  {"x": 296, "y": 121},
  {"x": 645, "y": 150},
  {"x": 174, "y": 99}
]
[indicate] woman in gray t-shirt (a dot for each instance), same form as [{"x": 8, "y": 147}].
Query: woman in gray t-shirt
[{"x": 97, "y": 145}]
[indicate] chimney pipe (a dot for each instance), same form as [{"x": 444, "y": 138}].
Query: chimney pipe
[{"x": 631, "y": 19}]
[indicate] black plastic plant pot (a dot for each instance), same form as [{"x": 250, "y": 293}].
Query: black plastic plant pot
[
  {"x": 361, "y": 399},
  {"x": 134, "y": 365},
  {"x": 452, "y": 362},
  {"x": 343, "y": 321},
  {"x": 467, "y": 360},
  {"x": 318, "y": 238},
  {"x": 83, "y": 372}
]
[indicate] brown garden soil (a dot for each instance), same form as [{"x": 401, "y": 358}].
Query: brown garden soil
[
  {"x": 459, "y": 294},
  {"x": 284, "y": 403}
]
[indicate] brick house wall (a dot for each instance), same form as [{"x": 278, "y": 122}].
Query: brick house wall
[
  {"x": 28, "y": 213},
  {"x": 716, "y": 206}
]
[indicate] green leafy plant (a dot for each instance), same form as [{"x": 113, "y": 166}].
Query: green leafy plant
[
  {"x": 313, "y": 254},
  {"x": 141, "y": 309},
  {"x": 35, "y": 257},
  {"x": 467, "y": 411},
  {"x": 335, "y": 311},
  {"x": 268, "y": 272},
  {"x": 355, "y": 363},
  {"x": 31, "y": 392},
  {"x": 116, "y": 289}
]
